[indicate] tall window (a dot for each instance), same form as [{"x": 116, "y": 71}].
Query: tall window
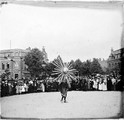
[
  {"x": 3, "y": 66},
  {"x": 16, "y": 76},
  {"x": 7, "y": 65}
]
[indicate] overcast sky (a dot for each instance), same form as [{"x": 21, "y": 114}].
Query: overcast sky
[{"x": 71, "y": 33}]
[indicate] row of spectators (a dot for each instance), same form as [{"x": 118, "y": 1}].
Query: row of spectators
[
  {"x": 21, "y": 87},
  {"x": 95, "y": 83},
  {"x": 100, "y": 83}
]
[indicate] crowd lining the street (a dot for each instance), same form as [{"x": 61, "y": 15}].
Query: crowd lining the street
[{"x": 91, "y": 83}]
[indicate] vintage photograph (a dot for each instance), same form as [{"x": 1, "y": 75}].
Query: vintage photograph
[{"x": 61, "y": 59}]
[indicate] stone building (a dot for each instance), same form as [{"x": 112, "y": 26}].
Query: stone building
[
  {"x": 116, "y": 59},
  {"x": 13, "y": 60}
]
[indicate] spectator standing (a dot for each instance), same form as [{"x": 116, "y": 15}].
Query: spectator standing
[
  {"x": 10, "y": 87},
  {"x": 100, "y": 84},
  {"x": 6, "y": 88},
  {"x": 43, "y": 87},
  {"x": 26, "y": 87},
  {"x": 104, "y": 84},
  {"x": 17, "y": 89},
  {"x": 109, "y": 84},
  {"x": 94, "y": 84},
  {"x": 22, "y": 89},
  {"x": 113, "y": 83}
]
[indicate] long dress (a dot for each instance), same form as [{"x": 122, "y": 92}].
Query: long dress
[
  {"x": 17, "y": 89},
  {"x": 95, "y": 85},
  {"x": 104, "y": 86},
  {"x": 43, "y": 87},
  {"x": 100, "y": 86}
]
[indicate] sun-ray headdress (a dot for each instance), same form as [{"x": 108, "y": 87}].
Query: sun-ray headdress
[{"x": 63, "y": 70}]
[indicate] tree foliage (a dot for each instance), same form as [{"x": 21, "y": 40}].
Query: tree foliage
[
  {"x": 5, "y": 74},
  {"x": 96, "y": 67},
  {"x": 34, "y": 61},
  {"x": 49, "y": 68},
  {"x": 87, "y": 67}
]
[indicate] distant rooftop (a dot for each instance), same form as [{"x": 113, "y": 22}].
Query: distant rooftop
[
  {"x": 117, "y": 51},
  {"x": 13, "y": 50}
]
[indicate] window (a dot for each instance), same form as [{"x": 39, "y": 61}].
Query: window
[
  {"x": 7, "y": 65},
  {"x": 16, "y": 76},
  {"x": 3, "y": 66}
]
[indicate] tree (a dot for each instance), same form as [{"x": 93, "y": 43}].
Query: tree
[
  {"x": 78, "y": 66},
  {"x": 96, "y": 67},
  {"x": 72, "y": 63},
  {"x": 87, "y": 67},
  {"x": 34, "y": 60},
  {"x": 5, "y": 74},
  {"x": 49, "y": 69}
]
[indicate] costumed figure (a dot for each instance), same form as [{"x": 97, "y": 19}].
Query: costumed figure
[
  {"x": 63, "y": 87},
  {"x": 65, "y": 74}
]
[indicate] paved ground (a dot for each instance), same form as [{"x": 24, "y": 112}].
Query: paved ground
[{"x": 47, "y": 105}]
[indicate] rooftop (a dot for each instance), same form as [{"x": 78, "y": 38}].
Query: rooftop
[{"x": 13, "y": 50}]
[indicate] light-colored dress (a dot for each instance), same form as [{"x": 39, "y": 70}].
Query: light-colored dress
[
  {"x": 43, "y": 87},
  {"x": 100, "y": 86},
  {"x": 23, "y": 89},
  {"x": 17, "y": 89},
  {"x": 94, "y": 84},
  {"x": 104, "y": 86}
]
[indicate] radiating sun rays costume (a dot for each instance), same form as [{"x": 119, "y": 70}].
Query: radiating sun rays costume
[{"x": 65, "y": 74}]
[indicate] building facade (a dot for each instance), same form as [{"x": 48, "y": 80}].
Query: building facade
[
  {"x": 116, "y": 59},
  {"x": 13, "y": 61}
]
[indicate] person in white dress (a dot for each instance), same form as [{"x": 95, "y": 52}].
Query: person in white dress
[
  {"x": 43, "y": 87},
  {"x": 100, "y": 85},
  {"x": 17, "y": 89},
  {"x": 26, "y": 87},
  {"x": 104, "y": 84},
  {"x": 23, "y": 89},
  {"x": 94, "y": 84}
]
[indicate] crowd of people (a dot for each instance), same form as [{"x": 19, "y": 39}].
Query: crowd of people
[
  {"x": 98, "y": 83},
  {"x": 21, "y": 87},
  {"x": 87, "y": 83}
]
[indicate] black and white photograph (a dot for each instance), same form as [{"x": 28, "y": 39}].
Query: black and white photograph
[{"x": 61, "y": 59}]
